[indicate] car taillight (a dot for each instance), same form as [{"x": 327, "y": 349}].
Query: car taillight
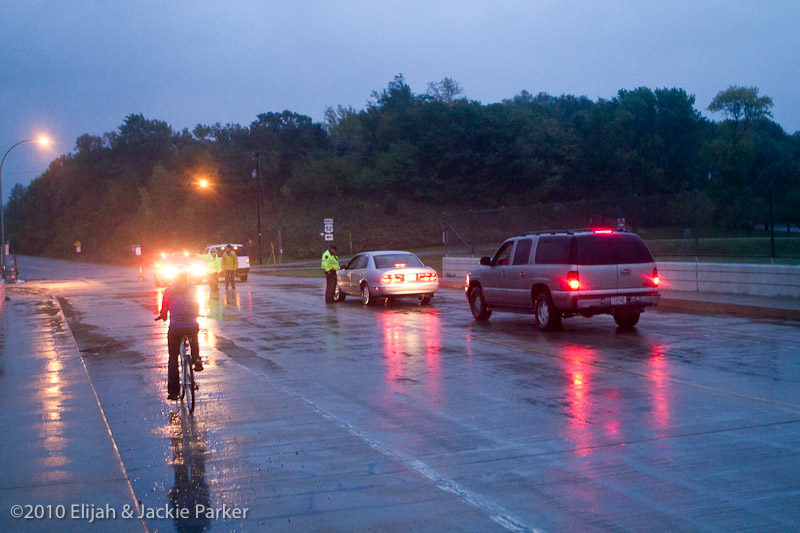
[
  {"x": 428, "y": 276},
  {"x": 392, "y": 278},
  {"x": 604, "y": 231},
  {"x": 655, "y": 277},
  {"x": 248, "y": 260},
  {"x": 573, "y": 282}
]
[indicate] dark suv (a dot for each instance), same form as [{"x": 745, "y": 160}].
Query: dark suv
[{"x": 559, "y": 274}]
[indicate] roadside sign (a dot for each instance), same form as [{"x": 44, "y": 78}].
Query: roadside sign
[{"x": 327, "y": 229}]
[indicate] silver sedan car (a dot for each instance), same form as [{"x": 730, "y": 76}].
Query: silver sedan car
[{"x": 377, "y": 276}]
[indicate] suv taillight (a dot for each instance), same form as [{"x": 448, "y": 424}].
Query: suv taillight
[
  {"x": 573, "y": 282},
  {"x": 655, "y": 277}
]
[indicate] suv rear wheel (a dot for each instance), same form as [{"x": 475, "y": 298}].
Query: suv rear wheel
[
  {"x": 480, "y": 311},
  {"x": 626, "y": 319},
  {"x": 548, "y": 318}
]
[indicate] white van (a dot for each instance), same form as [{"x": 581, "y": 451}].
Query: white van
[{"x": 243, "y": 260}]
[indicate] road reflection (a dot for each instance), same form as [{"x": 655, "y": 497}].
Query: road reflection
[
  {"x": 660, "y": 385},
  {"x": 412, "y": 352},
  {"x": 52, "y": 426},
  {"x": 190, "y": 488},
  {"x": 580, "y": 376},
  {"x": 598, "y": 413}
]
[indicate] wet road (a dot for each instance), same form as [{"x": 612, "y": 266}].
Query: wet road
[{"x": 418, "y": 418}]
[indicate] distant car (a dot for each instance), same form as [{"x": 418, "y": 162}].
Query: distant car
[
  {"x": 376, "y": 276},
  {"x": 560, "y": 274},
  {"x": 242, "y": 259},
  {"x": 168, "y": 265}
]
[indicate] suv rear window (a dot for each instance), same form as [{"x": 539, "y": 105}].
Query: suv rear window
[
  {"x": 612, "y": 249},
  {"x": 553, "y": 250}
]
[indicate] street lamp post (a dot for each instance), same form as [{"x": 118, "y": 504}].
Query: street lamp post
[
  {"x": 257, "y": 176},
  {"x": 41, "y": 140}
]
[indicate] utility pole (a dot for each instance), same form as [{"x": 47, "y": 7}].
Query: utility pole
[
  {"x": 771, "y": 223},
  {"x": 257, "y": 176}
]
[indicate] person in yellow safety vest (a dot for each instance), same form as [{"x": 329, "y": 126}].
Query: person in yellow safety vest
[
  {"x": 229, "y": 264},
  {"x": 213, "y": 268},
  {"x": 330, "y": 264}
]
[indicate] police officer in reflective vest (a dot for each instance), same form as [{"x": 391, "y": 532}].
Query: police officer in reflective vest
[
  {"x": 213, "y": 268},
  {"x": 330, "y": 264}
]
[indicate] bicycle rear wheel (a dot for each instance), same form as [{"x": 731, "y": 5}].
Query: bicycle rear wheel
[
  {"x": 182, "y": 362},
  {"x": 188, "y": 385}
]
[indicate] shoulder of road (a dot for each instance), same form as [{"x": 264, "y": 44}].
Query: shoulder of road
[{"x": 57, "y": 454}]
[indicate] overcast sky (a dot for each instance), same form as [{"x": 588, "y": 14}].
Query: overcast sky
[{"x": 71, "y": 67}]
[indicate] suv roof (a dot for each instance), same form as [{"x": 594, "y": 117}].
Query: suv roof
[{"x": 574, "y": 231}]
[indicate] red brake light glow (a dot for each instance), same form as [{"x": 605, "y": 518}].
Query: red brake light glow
[
  {"x": 393, "y": 278},
  {"x": 572, "y": 280},
  {"x": 655, "y": 277},
  {"x": 604, "y": 231},
  {"x": 399, "y": 265}
]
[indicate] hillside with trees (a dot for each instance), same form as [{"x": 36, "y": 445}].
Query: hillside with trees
[{"x": 386, "y": 172}]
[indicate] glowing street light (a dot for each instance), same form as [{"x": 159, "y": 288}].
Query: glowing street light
[{"x": 43, "y": 141}]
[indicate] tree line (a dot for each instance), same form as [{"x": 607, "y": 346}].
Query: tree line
[{"x": 404, "y": 150}]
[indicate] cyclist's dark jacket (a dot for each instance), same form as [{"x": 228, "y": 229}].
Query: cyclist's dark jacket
[{"x": 181, "y": 302}]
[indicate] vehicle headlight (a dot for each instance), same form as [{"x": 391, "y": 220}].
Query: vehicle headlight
[
  {"x": 170, "y": 271},
  {"x": 198, "y": 270}
]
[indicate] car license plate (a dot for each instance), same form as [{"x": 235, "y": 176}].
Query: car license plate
[
  {"x": 411, "y": 277},
  {"x": 618, "y": 300}
]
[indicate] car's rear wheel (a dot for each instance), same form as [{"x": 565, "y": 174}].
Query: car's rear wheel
[
  {"x": 477, "y": 304},
  {"x": 627, "y": 319},
  {"x": 366, "y": 295},
  {"x": 338, "y": 295},
  {"x": 548, "y": 318}
]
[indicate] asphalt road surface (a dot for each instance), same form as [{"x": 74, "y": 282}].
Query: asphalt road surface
[{"x": 408, "y": 417}]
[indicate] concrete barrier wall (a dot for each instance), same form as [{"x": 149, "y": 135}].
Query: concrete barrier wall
[
  {"x": 760, "y": 280},
  {"x": 455, "y": 269}
]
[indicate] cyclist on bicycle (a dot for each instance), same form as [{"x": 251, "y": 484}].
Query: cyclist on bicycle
[{"x": 183, "y": 308}]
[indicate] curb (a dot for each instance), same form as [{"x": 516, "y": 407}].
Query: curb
[{"x": 716, "y": 308}]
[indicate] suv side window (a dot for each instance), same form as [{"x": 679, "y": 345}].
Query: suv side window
[
  {"x": 554, "y": 250},
  {"x": 503, "y": 255},
  {"x": 523, "y": 252}
]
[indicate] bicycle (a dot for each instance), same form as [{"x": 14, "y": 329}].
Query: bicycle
[{"x": 188, "y": 384}]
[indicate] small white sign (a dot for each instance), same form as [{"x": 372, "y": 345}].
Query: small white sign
[{"x": 327, "y": 228}]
